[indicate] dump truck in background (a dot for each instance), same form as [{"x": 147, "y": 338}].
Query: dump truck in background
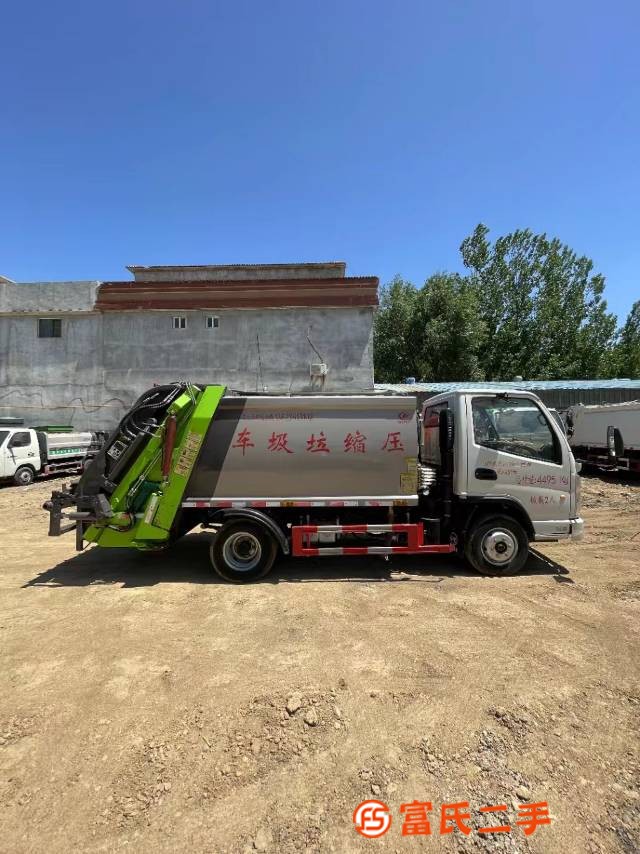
[
  {"x": 27, "y": 452},
  {"x": 477, "y": 473},
  {"x": 607, "y": 436}
]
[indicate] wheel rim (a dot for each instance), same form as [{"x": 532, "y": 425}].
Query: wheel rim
[
  {"x": 499, "y": 546},
  {"x": 25, "y": 477},
  {"x": 242, "y": 551}
]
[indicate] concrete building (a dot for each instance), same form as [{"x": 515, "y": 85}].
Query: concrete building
[{"x": 81, "y": 352}]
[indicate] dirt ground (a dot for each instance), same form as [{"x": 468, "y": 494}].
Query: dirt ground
[{"x": 143, "y": 704}]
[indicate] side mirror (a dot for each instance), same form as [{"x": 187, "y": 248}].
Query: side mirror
[
  {"x": 615, "y": 442},
  {"x": 611, "y": 441}
]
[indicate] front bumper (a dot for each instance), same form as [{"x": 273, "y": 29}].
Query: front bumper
[
  {"x": 551, "y": 530},
  {"x": 577, "y": 529}
]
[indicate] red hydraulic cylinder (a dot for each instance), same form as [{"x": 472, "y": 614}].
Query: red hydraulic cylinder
[{"x": 168, "y": 445}]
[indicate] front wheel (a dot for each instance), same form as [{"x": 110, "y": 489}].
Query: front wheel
[
  {"x": 497, "y": 545},
  {"x": 24, "y": 476},
  {"x": 242, "y": 552}
]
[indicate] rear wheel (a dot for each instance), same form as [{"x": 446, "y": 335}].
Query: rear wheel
[
  {"x": 24, "y": 476},
  {"x": 497, "y": 545},
  {"x": 242, "y": 552}
]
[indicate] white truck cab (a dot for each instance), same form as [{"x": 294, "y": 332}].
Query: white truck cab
[
  {"x": 26, "y": 453},
  {"x": 19, "y": 454},
  {"x": 511, "y": 461}
]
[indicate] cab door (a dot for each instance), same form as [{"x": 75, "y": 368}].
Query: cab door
[
  {"x": 515, "y": 451},
  {"x": 22, "y": 449},
  {"x": 3, "y": 453}
]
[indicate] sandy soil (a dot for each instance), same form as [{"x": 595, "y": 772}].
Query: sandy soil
[{"x": 143, "y": 705}]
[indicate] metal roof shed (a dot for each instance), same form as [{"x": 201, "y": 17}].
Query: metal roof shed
[{"x": 558, "y": 394}]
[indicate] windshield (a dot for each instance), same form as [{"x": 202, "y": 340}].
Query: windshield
[
  {"x": 3, "y": 436},
  {"x": 515, "y": 426}
]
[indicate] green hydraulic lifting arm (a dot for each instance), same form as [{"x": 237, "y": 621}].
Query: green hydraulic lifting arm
[{"x": 147, "y": 500}]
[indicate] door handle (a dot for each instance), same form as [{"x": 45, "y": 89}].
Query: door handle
[{"x": 486, "y": 474}]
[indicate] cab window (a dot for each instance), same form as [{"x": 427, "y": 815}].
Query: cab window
[
  {"x": 20, "y": 440},
  {"x": 3, "y": 436},
  {"x": 515, "y": 426},
  {"x": 431, "y": 433}
]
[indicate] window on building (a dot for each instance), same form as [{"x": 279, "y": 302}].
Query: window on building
[
  {"x": 213, "y": 322},
  {"x": 179, "y": 322},
  {"x": 516, "y": 426},
  {"x": 49, "y": 327}
]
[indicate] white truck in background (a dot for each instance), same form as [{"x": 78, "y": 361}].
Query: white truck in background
[
  {"x": 607, "y": 436},
  {"x": 26, "y": 452}
]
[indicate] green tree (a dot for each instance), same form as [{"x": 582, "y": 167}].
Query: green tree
[
  {"x": 433, "y": 333},
  {"x": 542, "y": 305},
  {"x": 447, "y": 330},
  {"x": 626, "y": 355},
  {"x": 393, "y": 355}
]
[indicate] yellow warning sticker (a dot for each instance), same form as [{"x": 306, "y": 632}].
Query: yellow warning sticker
[
  {"x": 408, "y": 484},
  {"x": 188, "y": 454},
  {"x": 412, "y": 464}
]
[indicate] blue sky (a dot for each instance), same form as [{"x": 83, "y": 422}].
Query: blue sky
[{"x": 375, "y": 133}]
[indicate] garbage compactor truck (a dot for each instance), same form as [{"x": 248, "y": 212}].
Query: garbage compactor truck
[{"x": 478, "y": 473}]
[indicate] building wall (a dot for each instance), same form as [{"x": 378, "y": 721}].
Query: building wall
[
  {"x": 52, "y": 380},
  {"x": 239, "y": 272},
  {"x": 102, "y": 362},
  {"x": 42, "y": 297}
]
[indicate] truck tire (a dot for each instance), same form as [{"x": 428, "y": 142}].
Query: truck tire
[
  {"x": 243, "y": 551},
  {"x": 24, "y": 476},
  {"x": 497, "y": 545}
]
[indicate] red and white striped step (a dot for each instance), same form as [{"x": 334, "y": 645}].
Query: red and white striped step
[{"x": 301, "y": 540}]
